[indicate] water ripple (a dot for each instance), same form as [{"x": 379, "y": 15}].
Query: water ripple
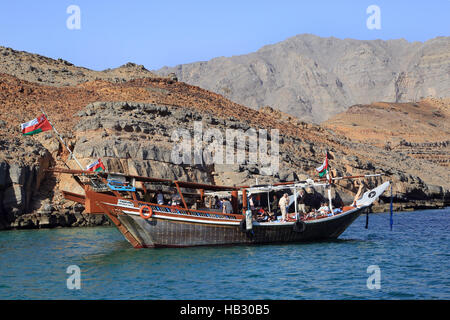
[{"x": 413, "y": 259}]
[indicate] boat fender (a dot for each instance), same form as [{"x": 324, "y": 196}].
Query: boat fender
[
  {"x": 299, "y": 226},
  {"x": 149, "y": 215},
  {"x": 248, "y": 220}
]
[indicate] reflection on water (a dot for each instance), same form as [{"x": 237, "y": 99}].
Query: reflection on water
[{"x": 413, "y": 259}]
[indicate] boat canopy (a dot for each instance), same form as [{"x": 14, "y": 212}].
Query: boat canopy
[{"x": 266, "y": 188}]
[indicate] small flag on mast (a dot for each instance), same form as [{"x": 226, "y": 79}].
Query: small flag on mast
[
  {"x": 323, "y": 169},
  {"x": 40, "y": 124},
  {"x": 96, "y": 166}
]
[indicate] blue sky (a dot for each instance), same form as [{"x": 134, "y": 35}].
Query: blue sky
[{"x": 158, "y": 33}]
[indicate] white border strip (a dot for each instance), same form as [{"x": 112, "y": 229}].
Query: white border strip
[
  {"x": 175, "y": 218},
  {"x": 184, "y": 219}
]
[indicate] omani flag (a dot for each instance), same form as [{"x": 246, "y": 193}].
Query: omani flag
[
  {"x": 40, "y": 124},
  {"x": 323, "y": 169},
  {"x": 96, "y": 166}
]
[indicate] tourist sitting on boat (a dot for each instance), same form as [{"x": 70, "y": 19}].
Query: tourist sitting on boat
[
  {"x": 262, "y": 215},
  {"x": 337, "y": 210},
  {"x": 176, "y": 199},
  {"x": 292, "y": 216},
  {"x": 227, "y": 207},
  {"x": 312, "y": 214},
  {"x": 324, "y": 209},
  {"x": 271, "y": 216},
  {"x": 160, "y": 197}
]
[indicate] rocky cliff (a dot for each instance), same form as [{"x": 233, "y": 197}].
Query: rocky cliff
[
  {"x": 22, "y": 165},
  {"x": 314, "y": 78}
]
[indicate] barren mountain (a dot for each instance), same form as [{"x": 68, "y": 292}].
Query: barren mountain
[
  {"x": 44, "y": 70},
  {"x": 314, "y": 78},
  {"x": 420, "y": 130}
]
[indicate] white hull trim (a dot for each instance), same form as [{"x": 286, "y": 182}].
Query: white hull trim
[{"x": 127, "y": 210}]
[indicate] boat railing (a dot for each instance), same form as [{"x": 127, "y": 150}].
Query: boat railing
[{"x": 189, "y": 212}]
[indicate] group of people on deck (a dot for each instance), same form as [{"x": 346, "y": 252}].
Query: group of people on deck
[
  {"x": 173, "y": 200},
  {"x": 310, "y": 204},
  {"x": 306, "y": 208},
  {"x": 223, "y": 204}
]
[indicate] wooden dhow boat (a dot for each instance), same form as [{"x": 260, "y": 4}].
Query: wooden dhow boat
[{"x": 147, "y": 223}]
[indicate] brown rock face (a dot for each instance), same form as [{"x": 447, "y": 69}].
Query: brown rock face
[{"x": 421, "y": 130}]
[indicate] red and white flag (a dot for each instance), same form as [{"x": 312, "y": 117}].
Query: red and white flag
[
  {"x": 40, "y": 124},
  {"x": 96, "y": 166},
  {"x": 323, "y": 169}
]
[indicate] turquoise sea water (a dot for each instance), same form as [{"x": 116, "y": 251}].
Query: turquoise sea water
[{"x": 413, "y": 260}]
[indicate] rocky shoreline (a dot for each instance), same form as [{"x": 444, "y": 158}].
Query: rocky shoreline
[{"x": 58, "y": 219}]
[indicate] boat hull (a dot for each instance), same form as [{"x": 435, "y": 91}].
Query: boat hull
[{"x": 163, "y": 232}]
